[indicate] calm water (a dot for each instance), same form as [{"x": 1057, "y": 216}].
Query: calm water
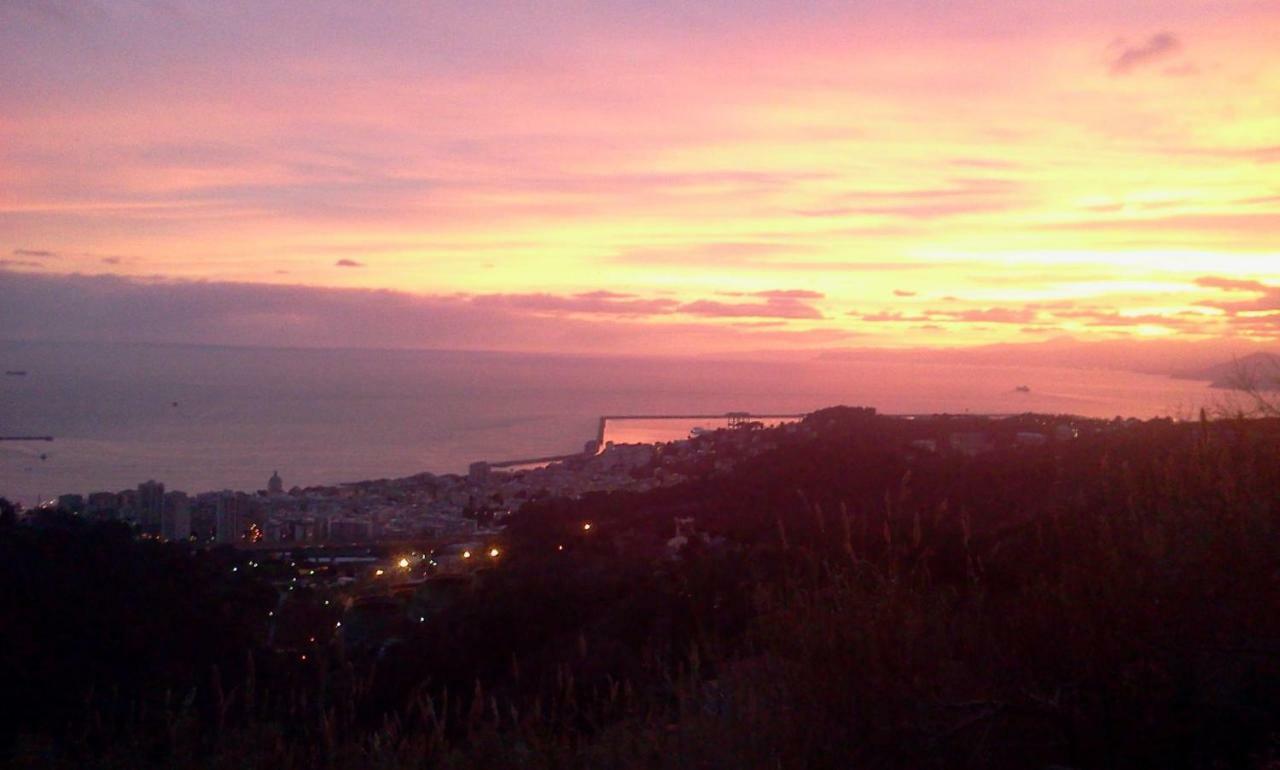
[{"x": 200, "y": 418}]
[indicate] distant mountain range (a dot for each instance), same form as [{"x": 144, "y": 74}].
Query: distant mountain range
[
  {"x": 1181, "y": 358},
  {"x": 1262, "y": 369}
]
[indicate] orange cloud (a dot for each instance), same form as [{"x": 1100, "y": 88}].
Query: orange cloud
[{"x": 691, "y": 159}]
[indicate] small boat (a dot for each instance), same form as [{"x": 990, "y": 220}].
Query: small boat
[
  {"x": 16, "y": 373},
  {"x": 1023, "y": 388}
]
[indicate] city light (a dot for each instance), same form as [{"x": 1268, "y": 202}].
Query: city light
[{"x": 466, "y": 270}]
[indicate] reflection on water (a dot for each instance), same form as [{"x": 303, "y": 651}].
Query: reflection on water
[
  {"x": 655, "y": 431},
  {"x": 202, "y": 418}
]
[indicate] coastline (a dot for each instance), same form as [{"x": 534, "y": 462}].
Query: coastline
[{"x": 328, "y": 416}]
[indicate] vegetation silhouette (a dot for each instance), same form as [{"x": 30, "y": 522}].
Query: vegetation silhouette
[{"x": 850, "y": 598}]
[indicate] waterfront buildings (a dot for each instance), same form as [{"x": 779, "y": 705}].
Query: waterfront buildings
[
  {"x": 230, "y": 516},
  {"x": 454, "y": 507},
  {"x": 103, "y": 505},
  {"x": 149, "y": 505},
  {"x": 175, "y": 520}
]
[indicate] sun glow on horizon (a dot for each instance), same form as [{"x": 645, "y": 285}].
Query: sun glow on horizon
[{"x": 797, "y": 176}]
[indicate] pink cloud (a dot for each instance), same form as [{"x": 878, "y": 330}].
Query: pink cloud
[
  {"x": 1001, "y": 315},
  {"x": 1155, "y": 48},
  {"x": 960, "y": 196},
  {"x": 772, "y": 308},
  {"x": 732, "y": 252},
  {"x": 588, "y": 302},
  {"x": 209, "y": 312},
  {"x": 1232, "y": 284},
  {"x": 779, "y": 294},
  {"x": 893, "y": 317}
]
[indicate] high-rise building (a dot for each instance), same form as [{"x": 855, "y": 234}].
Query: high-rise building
[
  {"x": 128, "y": 504},
  {"x": 103, "y": 505},
  {"x": 73, "y": 503},
  {"x": 230, "y": 517},
  {"x": 149, "y": 505},
  {"x": 275, "y": 485},
  {"x": 349, "y": 530},
  {"x": 300, "y": 530},
  {"x": 175, "y": 521}
]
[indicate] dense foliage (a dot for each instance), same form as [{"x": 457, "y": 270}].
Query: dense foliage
[{"x": 844, "y": 601}]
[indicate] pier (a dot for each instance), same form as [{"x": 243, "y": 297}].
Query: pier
[
  {"x": 534, "y": 461},
  {"x": 736, "y": 419}
]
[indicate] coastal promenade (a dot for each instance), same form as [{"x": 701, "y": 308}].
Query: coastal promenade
[{"x": 734, "y": 418}]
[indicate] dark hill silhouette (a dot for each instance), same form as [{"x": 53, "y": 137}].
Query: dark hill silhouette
[
  {"x": 858, "y": 595},
  {"x": 1262, "y": 370}
]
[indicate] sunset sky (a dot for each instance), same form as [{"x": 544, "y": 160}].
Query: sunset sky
[{"x": 674, "y": 176}]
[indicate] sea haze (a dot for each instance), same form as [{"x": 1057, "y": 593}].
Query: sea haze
[{"x": 200, "y": 418}]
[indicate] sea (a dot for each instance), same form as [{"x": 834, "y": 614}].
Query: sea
[{"x": 201, "y": 418}]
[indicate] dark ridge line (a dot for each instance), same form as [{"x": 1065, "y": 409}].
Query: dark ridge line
[{"x": 604, "y": 420}]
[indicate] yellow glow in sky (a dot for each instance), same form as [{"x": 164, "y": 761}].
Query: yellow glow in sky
[{"x": 771, "y": 175}]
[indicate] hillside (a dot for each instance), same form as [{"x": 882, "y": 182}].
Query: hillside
[
  {"x": 948, "y": 593},
  {"x": 1259, "y": 369}
]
